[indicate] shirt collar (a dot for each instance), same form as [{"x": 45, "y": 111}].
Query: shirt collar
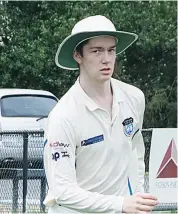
[
  {"x": 83, "y": 97},
  {"x": 118, "y": 95}
]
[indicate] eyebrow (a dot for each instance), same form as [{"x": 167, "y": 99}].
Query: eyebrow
[{"x": 102, "y": 47}]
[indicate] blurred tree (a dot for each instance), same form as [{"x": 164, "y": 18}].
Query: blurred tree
[{"x": 31, "y": 32}]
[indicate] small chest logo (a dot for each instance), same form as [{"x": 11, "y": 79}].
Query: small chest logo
[
  {"x": 128, "y": 126},
  {"x": 92, "y": 140}
]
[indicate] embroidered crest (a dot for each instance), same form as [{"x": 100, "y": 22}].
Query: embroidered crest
[{"x": 128, "y": 126}]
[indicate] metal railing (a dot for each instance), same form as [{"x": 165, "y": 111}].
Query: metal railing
[{"x": 22, "y": 177}]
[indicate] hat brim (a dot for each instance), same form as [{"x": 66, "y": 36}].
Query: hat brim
[{"x": 64, "y": 55}]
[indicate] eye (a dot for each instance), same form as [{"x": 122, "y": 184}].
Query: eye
[
  {"x": 112, "y": 50},
  {"x": 96, "y": 51}
]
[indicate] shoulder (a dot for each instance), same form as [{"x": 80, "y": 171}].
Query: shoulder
[
  {"x": 131, "y": 93},
  {"x": 65, "y": 108},
  {"x": 129, "y": 89}
]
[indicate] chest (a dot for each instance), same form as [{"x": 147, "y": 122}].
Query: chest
[
  {"x": 99, "y": 134},
  {"x": 106, "y": 104}
]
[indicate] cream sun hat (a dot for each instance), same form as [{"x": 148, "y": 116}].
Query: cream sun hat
[{"x": 92, "y": 26}]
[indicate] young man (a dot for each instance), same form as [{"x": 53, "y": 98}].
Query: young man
[{"x": 94, "y": 152}]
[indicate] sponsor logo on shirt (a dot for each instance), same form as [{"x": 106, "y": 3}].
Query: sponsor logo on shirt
[
  {"x": 92, "y": 140},
  {"x": 65, "y": 154},
  {"x": 55, "y": 156},
  {"x": 128, "y": 126},
  {"x": 58, "y": 144}
]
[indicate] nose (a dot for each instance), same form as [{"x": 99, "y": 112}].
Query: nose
[{"x": 105, "y": 57}]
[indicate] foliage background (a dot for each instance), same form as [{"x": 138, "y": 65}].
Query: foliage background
[{"x": 30, "y": 32}]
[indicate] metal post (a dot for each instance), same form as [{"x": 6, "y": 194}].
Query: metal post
[
  {"x": 42, "y": 193},
  {"x": 25, "y": 168},
  {"x": 15, "y": 194}
]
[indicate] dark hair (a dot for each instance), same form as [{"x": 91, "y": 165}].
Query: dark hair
[{"x": 79, "y": 48}]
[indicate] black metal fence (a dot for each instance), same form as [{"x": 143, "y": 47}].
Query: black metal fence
[{"x": 22, "y": 177}]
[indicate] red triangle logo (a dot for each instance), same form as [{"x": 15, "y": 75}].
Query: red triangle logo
[{"x": 169, "y": 165}]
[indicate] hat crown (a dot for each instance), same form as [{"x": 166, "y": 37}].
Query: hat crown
[{"x": 93, "y": 23}]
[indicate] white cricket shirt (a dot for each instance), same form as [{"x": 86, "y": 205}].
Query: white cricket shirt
[{"x": 88, "y": 156}]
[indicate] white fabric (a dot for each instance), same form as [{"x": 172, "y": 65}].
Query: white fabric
[
  {"x": 93, "y": 178},
  {"x": 93, "y": 23}
]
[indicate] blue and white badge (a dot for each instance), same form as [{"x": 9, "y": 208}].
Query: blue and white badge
[{"x": 128, "y": 126}]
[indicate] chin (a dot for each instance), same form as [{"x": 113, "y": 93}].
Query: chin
[{"x": 104, "y": 78}]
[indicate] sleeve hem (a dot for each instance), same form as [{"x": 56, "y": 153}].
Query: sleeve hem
[{"x": 118, "y": 204}]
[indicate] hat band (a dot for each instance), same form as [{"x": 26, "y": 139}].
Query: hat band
[{"x": 92, "y": 38}]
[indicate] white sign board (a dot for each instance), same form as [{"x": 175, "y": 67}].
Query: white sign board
[{"x": 163, "y": 165}]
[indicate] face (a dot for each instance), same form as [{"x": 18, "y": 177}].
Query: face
[{"x": 98, "y": 60}]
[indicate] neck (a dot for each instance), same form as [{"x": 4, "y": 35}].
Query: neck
[{"x": 95, "y": 89}]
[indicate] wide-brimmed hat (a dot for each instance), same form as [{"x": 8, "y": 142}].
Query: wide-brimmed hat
[{"x": 88, "y": 28}]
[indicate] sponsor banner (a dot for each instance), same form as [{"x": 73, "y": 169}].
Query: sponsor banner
[{"x": 163, "y": 165}]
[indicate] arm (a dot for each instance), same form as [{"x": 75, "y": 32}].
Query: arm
[
  {"x": 140, "y": 151},
  {"x": 59, "y": 161},
  {"x": 139, "y": 146}
]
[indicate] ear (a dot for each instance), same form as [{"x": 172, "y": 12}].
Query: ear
[{"x": 77, "y": 57}]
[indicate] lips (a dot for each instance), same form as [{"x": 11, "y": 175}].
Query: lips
[{"x": 105, "y": 69}]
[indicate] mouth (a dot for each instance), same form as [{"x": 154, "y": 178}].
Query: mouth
[{"x": 105, "y": 71}]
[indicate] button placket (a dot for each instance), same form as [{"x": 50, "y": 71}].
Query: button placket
[{"x": 115, "y": 112}]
